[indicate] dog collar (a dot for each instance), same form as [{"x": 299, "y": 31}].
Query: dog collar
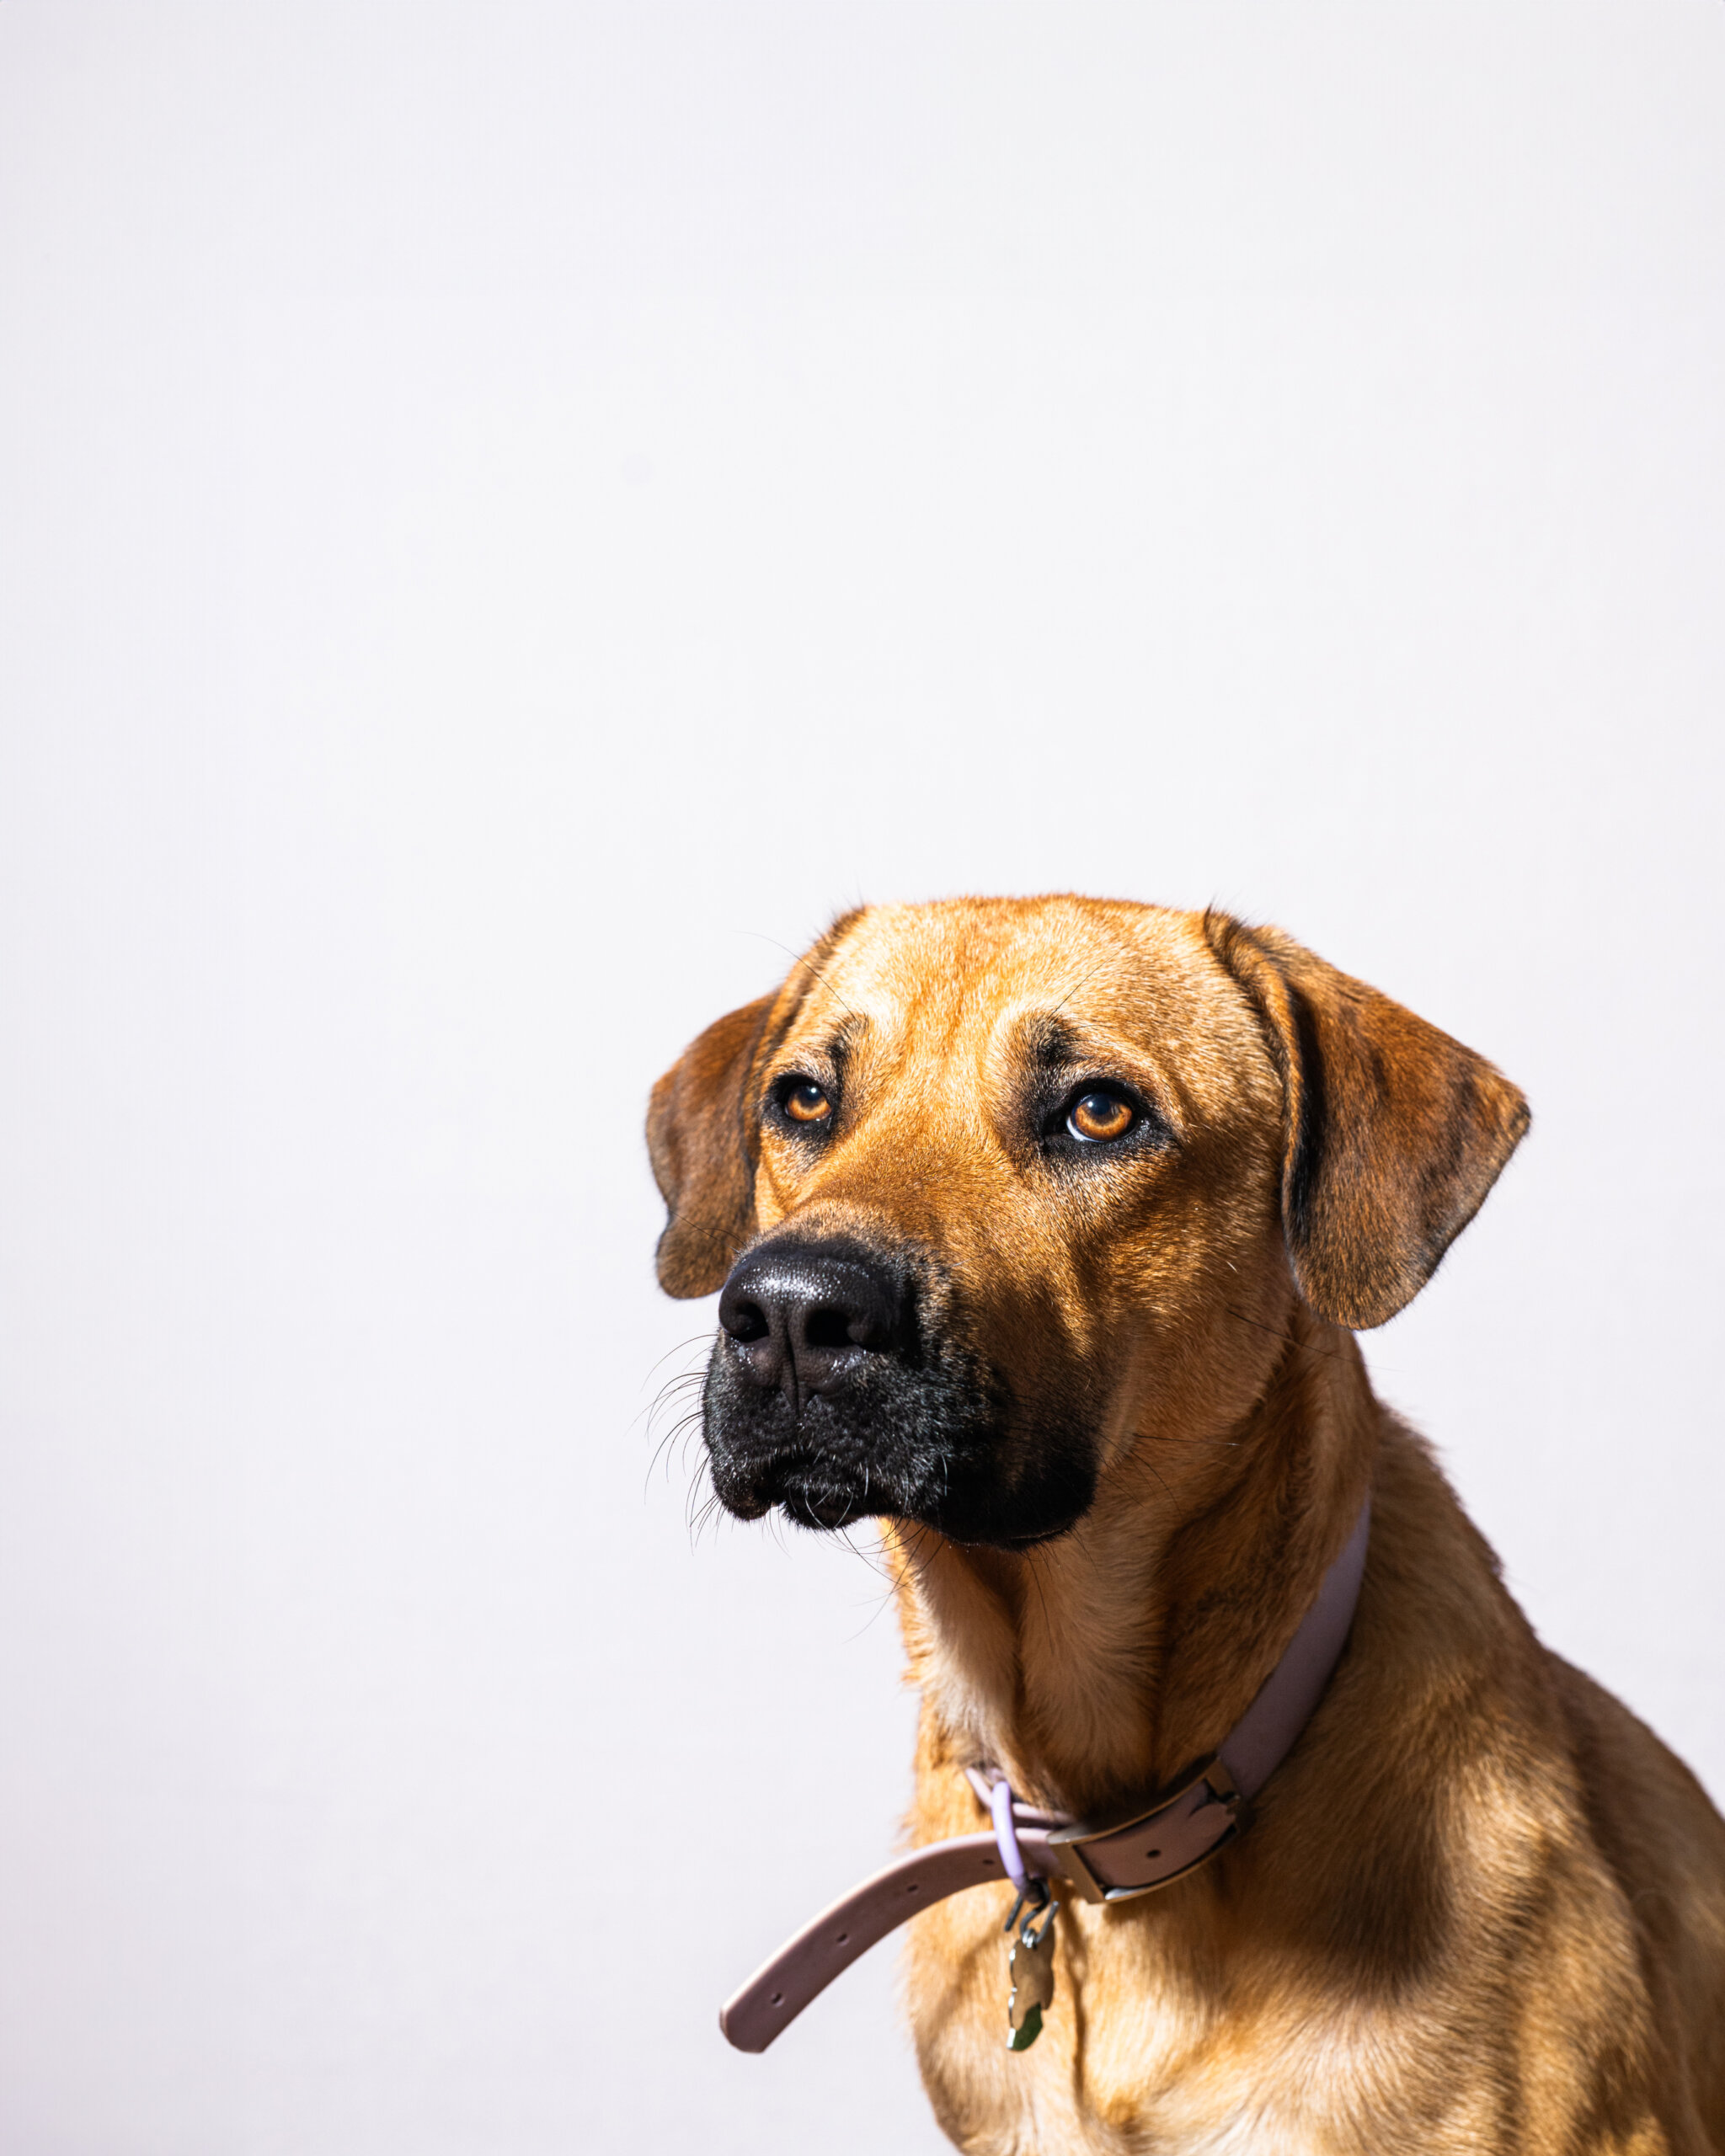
[{"x": 1115, "y": 1859}]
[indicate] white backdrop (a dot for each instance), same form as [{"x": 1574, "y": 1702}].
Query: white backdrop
[{"x": 511, "y": 516}]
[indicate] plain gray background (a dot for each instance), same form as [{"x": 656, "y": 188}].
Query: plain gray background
[{"x": 511, "y": 516}]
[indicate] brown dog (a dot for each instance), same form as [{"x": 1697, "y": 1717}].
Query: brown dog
[{"x": 1043, "y": 1226}]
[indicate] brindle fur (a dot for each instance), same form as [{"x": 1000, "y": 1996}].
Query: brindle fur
[{"x": 1481, "y": 1908}]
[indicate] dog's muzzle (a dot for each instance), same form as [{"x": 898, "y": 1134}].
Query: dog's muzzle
[{"x": 840, "y": 1386}]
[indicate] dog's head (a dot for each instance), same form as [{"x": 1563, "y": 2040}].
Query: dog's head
[{"x": 991, "y": 1187}]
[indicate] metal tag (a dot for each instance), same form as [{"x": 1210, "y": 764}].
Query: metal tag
[{"x": 1030, "y": 1970}]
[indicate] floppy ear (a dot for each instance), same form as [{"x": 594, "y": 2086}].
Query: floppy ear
[
  {"x": 1392, "y": 1134},
  {"x": 701, "y": 1130},
  {"x": 698, "y": 1134}
]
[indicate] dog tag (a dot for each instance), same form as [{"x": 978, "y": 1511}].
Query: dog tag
[{"x": 1030, "y": 1970}]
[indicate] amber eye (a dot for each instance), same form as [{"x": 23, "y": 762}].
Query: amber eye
[
  {"x": 807, "y": 1102},
  {"x": 1099, "y": 1116}
]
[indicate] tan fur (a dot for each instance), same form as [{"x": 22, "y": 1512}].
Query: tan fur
[{"x": 1481, "y": 1907}]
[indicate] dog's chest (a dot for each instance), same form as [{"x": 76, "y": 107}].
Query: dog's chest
[
  {"x": 1132, "y": 2059},
  {"x": 1307, "y": 2102}
]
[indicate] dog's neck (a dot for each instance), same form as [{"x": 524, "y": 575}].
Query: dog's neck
[{"x": 1093, "y": 1668}]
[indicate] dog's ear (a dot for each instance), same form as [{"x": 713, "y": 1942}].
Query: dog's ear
[
  {"x": 1392, "y": 1133},
  {"x": 703, "y": 1161},
  {"x": 701, "y": 1128}
]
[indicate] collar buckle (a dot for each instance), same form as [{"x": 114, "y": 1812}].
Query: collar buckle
[{"x": 1203, "y": 1813}]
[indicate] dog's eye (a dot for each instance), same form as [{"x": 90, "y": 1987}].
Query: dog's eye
[
  {"x": 1099, "y": 1116},
  {"x": 806, "y": 1102}
]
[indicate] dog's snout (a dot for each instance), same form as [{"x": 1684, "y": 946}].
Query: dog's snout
[{"x": 805, "y": 1318}]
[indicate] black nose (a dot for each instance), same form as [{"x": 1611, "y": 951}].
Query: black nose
[{"x": 807, "y": 1316}]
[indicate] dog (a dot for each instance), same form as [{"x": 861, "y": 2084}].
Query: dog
[{"x": 1043, "y": 1228}]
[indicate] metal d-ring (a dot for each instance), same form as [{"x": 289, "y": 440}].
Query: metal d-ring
[{"x": 1035, "y": 1892}]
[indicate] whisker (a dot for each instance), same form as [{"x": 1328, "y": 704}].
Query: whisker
[
  {"x": 876, "y": 1564},
  {"x": 1175, "y": 1438},
  {"x": 684, "y": 1429},
  {"x": 700, "y": 1516},
  {"x": 1088, "y": 976},
  {"x": 1035, "y": 1573},
  {"x": 694, "y": 1339},
  {"x": 1276, "y": 1333},
  {"x": 797, "y": 959},
  {"x": 661, "y": 1397}
]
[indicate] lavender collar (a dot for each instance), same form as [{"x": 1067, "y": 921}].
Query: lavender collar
[{"x": 1110, "y": 1860}]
